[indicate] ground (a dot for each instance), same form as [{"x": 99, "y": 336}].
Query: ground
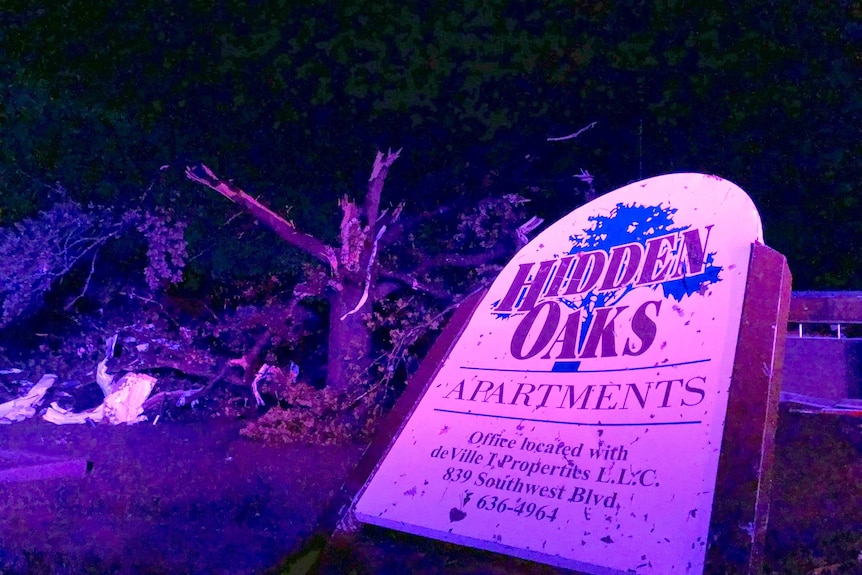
[
  {"x": 164, "y": 499},
  {"x": 199, "y": 498}
]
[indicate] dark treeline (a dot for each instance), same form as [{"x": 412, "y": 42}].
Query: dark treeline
[{"x": 292, "y": 98}]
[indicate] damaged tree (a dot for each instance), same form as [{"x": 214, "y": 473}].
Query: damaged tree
[{"x": 353, "y": 277}]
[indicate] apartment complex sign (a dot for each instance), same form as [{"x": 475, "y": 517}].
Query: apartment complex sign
[{"x": 578, "y": 419}]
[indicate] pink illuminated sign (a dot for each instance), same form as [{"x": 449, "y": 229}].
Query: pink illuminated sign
[{"x": 578, "y": 419}]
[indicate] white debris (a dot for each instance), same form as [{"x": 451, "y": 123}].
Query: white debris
[
  {"x": 103, "y": 378},
  {"x": 60, "y": 416},
  {"x": 261, "y": 374},
  {"x": 124, "y": 405},
  {"x": 24, "y": 407}
]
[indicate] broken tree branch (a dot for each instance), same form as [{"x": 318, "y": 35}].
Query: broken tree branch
[
  {"x": 285, "y": 230},
  {"x": 69, "y": 305},
  {"x": 249, "y": 362},
  {"x": 352, "y": 235},
  {"x": 382, "y": 163},
  {"x": 524, "y": 229},
  {"x": 575, "y": 134}
]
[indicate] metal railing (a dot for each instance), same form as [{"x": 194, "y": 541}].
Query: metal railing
[{"x": 835, "y": 309}]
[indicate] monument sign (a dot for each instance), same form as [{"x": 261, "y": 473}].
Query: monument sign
[{"x": 578, "y": 418}]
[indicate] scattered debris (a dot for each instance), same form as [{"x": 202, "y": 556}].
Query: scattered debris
[
  {"x": 277, "y": 379},
  {"x": 124, "y": 397},
  {"x": 24, "y": 407},
  {"x": 123, "y": 405},
  {"x": 60, "y": 416},
  {"x": 315, "y": 416}
]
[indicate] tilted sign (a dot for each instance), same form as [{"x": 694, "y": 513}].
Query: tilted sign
[{"x": 578, "y": 419}]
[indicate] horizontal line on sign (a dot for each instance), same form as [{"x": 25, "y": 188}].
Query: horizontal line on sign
[
  {"x": 638, "y": 424},
  {"x": 562, "y": 369}
]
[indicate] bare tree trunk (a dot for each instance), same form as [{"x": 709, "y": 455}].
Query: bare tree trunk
[{"x": 349, "y": 342}]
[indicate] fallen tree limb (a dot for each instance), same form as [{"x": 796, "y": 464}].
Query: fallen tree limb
[{"x": 285, "y": 229}]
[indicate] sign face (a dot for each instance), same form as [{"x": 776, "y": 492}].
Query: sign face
[{"x": 578, "y": 419}]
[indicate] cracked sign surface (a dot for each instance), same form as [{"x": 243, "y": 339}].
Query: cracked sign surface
[{"x": 578, "y": 419}]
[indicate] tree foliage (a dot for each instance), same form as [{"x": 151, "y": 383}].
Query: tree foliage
[
  {"x": 361, "y": 270},
  {"x": 62, "y": 244}
]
